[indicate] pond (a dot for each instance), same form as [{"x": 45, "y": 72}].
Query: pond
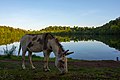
[{"x": 96, "y": 48}]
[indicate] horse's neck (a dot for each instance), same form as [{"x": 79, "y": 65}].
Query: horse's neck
[{"x": 55, "y": 48}]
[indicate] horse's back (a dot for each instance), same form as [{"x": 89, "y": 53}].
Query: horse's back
[{"x": 32, "y": 41}]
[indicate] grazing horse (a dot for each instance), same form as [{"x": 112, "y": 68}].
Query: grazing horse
[{"x": 47, "y": 43}]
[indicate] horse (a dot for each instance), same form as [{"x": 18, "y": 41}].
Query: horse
[{"x": 45, "y": 43}]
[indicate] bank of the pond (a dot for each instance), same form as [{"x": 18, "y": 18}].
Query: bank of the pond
[{"x": 10, "y": 69}]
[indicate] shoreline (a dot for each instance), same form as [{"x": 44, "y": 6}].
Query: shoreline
[{"x": 15, "y": 57}]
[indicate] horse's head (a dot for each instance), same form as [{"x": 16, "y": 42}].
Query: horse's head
[
  {"x": 60, "y": 53},
  {"x": 61, "y": 62}
]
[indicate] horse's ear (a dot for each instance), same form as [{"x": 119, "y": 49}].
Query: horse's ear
[
  {"x": 65, "y": 52},
  {"x": 68, "y": 53}
]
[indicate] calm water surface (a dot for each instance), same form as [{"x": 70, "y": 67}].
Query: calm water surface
[{"x": 83, "y": 50}]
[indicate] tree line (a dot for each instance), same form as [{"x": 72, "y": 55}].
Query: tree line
[
  {"x": 110, "y": 28},
  {"x": 10, "y": 34}
]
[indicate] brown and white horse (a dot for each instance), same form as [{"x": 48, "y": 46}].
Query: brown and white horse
[{"x": 46, "y": 43}]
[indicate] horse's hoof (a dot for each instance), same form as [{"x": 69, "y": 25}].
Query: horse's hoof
[
  {"x": 62, "y": 74},
  {"x": 33, "y": 67},
  {"x": 47, "y": 70},
  {"x": 23, "y": 67}
]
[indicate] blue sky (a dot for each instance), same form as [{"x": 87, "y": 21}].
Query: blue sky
[{"x": 38, "y": 14}]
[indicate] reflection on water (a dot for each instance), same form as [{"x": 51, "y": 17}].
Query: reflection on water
[
  {"x": 92, "y": 50},
  {"x": 86, "y": 47}
]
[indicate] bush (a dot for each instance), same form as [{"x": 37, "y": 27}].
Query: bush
[{"x": 9, "y": 52}]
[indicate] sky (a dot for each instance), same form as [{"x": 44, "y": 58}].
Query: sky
[{"x": 38, "y": 14}]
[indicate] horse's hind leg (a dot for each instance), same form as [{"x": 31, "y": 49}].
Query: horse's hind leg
[
  {"x": 30, "y": 59},
  {"x": 23, "y": 59},
  {"x": 46, "y": 58}
]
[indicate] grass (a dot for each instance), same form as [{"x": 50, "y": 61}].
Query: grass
[
  {"x": 10, "y": 69},
  {"x": 34, "y": 58}
]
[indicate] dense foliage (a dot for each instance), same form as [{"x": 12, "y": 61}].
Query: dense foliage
[
  {"x": 56, "y": 29},
  {"x": 111, "y": 28},
  {"x": 10, "y": 34},
  {"x": 67, "y": 30}
]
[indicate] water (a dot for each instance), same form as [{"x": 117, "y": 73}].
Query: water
[
  {"x": 92, "y": 50},
  {"x": 83, "y": 50}
]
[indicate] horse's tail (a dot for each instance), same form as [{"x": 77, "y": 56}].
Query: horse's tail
[{"x": 19, "y": 49}]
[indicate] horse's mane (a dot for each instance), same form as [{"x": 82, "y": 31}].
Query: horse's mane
[
  {"x": 47, "y": 36},
  {"x": 58, "y": 43}
]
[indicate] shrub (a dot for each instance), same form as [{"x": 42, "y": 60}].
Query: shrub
[{"x": 9, "y": 52}]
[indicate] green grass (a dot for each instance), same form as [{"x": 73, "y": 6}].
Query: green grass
[
  {"x": 10, "y": 69},
  {"x": 34, "y": 58}
]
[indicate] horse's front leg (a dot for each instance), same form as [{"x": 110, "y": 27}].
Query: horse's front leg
[
  {"x": 46, "y": 58},
  {"x": 30, "y": 59}
]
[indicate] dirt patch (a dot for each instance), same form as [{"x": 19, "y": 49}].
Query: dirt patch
[
  {"x": 95, "y": 63},
  {"x": 98, "y": 64}
]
